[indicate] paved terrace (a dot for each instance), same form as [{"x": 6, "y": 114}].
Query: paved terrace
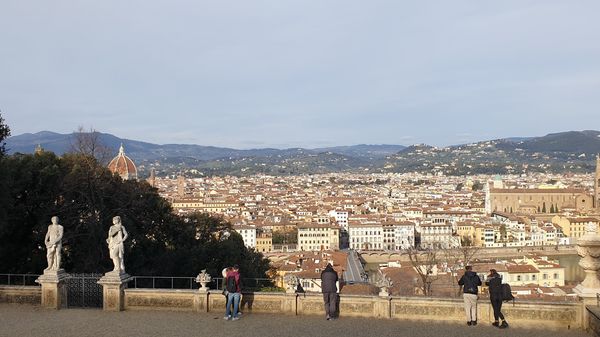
[{"x": 25, "y": 320}]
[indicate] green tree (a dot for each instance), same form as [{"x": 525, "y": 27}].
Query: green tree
[
  {"x": 86, "y": 196},
  {"x": 4, "y": 133}
]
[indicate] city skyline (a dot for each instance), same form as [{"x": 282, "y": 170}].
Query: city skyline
[{"x": 284, "y": 75}]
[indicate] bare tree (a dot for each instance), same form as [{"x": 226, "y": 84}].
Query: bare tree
[
  {"x": 424, "y": 263},
  {"x": 89, "y": 143},
  {"x": 457, "y": 258}
]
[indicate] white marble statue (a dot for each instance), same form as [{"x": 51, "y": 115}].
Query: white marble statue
[
  {"x": 116, "y": 236},
  {"x": 53, "y": 243}
]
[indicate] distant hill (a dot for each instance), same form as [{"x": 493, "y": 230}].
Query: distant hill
[
  {"x": 587, "y": 142},
  {"x": 572, "y": 151},
  {"x": 61, "y": 143}
]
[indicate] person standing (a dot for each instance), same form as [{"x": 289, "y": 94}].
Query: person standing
[
  {"x": 53, "y": 242},
  {"x": 494, "y": 282},
  {"x": 470, "y": 283},
  {"x": 234, "y": 293},
  {"x": 329, "y": 278}
]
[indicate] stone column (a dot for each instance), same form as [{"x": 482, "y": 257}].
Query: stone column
[
  {"x": 54, "y": 291},
  {"x": 113, "y": 290},
  {"x": 588, "y": 247}
]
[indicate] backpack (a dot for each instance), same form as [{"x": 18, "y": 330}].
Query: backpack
[
  {"x": 506, "y": 293},
  {"x": 230, "y": 284}
]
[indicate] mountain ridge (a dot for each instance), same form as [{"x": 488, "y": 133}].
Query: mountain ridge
[{"x": 573, "y": 151}]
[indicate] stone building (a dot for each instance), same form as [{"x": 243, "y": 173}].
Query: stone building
[
  {"x": 541, "y": 200},
  {"x": 315, "y": 237},
  {"x": 574, "y": 227},
  {"x": 123, "y": 166},
  {"x": 537, "y": 200}
]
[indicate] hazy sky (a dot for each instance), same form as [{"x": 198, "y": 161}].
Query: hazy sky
[{"x": 287, "y": 73}]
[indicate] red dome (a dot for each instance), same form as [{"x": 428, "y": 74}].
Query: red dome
[{"x": 123, "y": 165}]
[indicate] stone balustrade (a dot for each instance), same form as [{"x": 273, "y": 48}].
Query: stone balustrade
[
  {"x": 21, "y": 294},
  {"x": 530, "y": 314}
]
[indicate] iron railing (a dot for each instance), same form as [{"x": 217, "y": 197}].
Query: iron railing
[
  {"x": 83, "y": 291},
  {"x": 18, "y": 279},
  {"x": 174, "y": 282}
]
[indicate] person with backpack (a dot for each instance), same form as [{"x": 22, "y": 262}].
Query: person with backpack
[
  {"x": 494, "y": 282},
  {"x": 470, "y": 283},
  {"x": 234, "y": 293}
]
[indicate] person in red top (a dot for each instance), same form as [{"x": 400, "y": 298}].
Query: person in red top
[{"x": 234, "y": 293}]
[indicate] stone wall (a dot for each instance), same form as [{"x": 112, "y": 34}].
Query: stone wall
[
  {"x": 593, "y": 314},
  {"x": 21, "y": 294},
  {"x": 528, "y": 314},
  {"x": 165, "y": 299}
]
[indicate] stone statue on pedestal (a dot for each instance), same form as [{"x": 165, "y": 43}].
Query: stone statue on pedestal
[
  {"x": 53, "y": 242},
  {"x": 116, "y": 236}
]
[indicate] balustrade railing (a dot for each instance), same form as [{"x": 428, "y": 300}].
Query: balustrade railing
[
  {"x": 18, "y": 279},
  {"x": 173, "y": 282}
]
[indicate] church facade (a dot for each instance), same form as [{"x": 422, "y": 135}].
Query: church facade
[{"x": 533, "y": 201}]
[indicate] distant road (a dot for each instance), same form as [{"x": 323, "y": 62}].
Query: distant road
[{"x": 354, "y": 268}]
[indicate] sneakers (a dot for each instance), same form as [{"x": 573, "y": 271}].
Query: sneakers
[
  {"x": 327, "y": 317},
  {"x": 226, "y": 318},
  {"x": 504, "y": 325},
  {"x": 496, "y": 324},
  {"x": 469, "y": 323},
  {"x": 473, "y": 323},
  {"x": 235, "y": 318}
]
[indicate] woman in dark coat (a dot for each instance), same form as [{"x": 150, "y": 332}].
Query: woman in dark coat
[{"x": 494, "y": 282}]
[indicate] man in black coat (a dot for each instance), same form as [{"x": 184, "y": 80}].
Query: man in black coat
[{"x": 329, "y": 277}]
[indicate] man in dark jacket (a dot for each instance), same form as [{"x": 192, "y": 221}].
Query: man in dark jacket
[
  {"x": 470, "y": 283},
  {"x": 329, "y": 277}
]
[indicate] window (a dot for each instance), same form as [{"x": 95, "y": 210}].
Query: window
[{"x": 556, "y": 276}]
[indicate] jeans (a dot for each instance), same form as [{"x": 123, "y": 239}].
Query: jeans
[
  {"x": 497, "y": 306},
  {"x": 235, "y": 299}
]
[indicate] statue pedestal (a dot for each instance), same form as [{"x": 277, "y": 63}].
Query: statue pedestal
[
  {"x": 113, "y": 294},
  {"x": 54, "y": 292}
]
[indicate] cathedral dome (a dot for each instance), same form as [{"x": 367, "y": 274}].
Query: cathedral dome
[{"x": 123, "y": 166}]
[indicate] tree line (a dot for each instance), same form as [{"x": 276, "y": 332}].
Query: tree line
[{"x": 85, "y": 196}]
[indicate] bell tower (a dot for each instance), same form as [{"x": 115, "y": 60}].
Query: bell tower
[{"x": 597, "y": 184}]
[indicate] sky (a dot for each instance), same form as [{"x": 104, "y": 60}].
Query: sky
[{"x": 310, "y": 73}]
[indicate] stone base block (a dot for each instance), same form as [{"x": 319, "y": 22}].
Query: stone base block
[
  {"x": 54, "y": 292},
  {"x": 113, "y": 286}
]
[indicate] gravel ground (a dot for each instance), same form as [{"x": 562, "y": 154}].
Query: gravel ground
[{"x": 24, "y": 321}]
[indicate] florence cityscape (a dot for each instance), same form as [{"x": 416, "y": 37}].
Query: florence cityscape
[{"x": 303, "y": 168}]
